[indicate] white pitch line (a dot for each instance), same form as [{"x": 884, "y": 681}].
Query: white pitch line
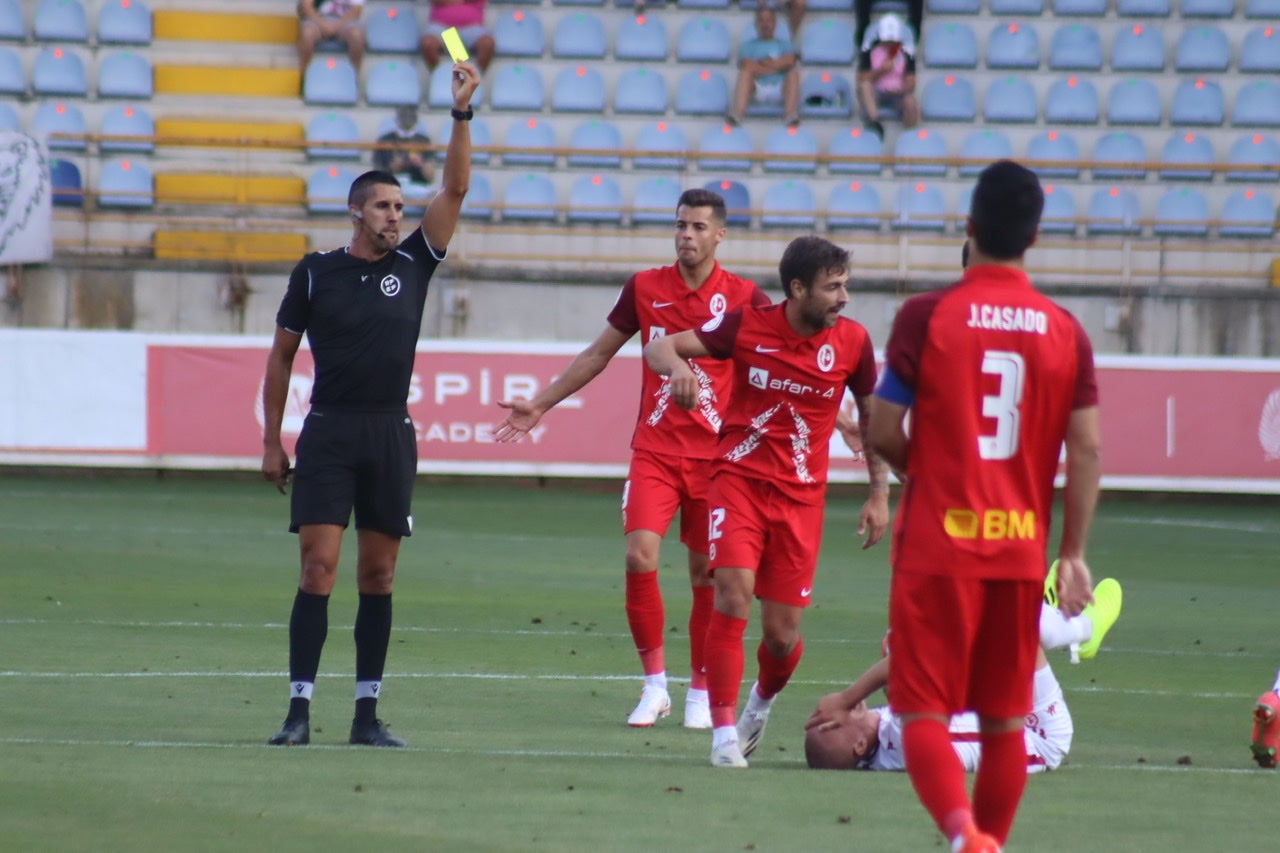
[{"x": 1235, "y": 527}]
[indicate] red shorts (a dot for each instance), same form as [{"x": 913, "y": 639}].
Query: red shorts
[
  {"x": 659, "y": 485},
  {"x": 963, "y": 644},
  {"x": 757, "y": 526}
]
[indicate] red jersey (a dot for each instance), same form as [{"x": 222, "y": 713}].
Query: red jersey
[
  {"x": 787, "y": 391},
  {"x": 657, "y": 302},
  {"x": 992, "y": 370}
]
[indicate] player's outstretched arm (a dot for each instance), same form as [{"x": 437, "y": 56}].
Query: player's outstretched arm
[
  {"x": 668, "y": 356},
  {"x": 873, "y": 521},
  {"x": 441, "y": 217},
  {"x": 275, "y": 391},
  {"x": 833, "y": 707},
  {"x": 1080, "y": 499}
]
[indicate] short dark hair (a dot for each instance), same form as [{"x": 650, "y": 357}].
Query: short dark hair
[
  {"x": 1005, "y": 210},
  {"x": 704, "y": 198},
  {"x": 805, "y": 258},
  {"x": 359, "y": 192}
]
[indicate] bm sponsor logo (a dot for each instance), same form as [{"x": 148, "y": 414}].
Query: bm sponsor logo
[{"x": 990, "y": 524}]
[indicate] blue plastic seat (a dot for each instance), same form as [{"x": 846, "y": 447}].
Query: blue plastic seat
[
  {"x": 126, "y": 182},
  {"x": 702, "y": 4},
  {"x": 817, "y": 5},
  {"x": 1207, "y": 8},
  {"x": 725, "y": 148},
  {"x": 703, "y": 39},
  {"x": 440, "y": 88},
  {"x": 986, "y": 145},
  {"x": 578, "y": 89},
  {"x": 59, "y": 72},
  {"x": 1144, "y": 8},
  {"x": 327, "y": 188},
  {"x": 920, "y": 143},
  {"x": 529, "y": 196},
  {"x": 481, "y": 137},
  {"x": 1133, "y": 101},
  {"x": 1080, "y": 8},
  {"x": 655, "y": 201},
  {"x": 9, "y": 118},
  {"x": 1071, "y": 100},
  {"x": 664, "y": 145},
  {"x": 127, "y": 120},
  {"x": 596, "y": 135},
  {"x": 595, "y": 198},
  {"x": 1257, "y": 104},
  {"x": 1059, "y": 215},
  {"x": 825, "y": 94},
  {"x": 124, "y": 74},
  {"x": 1197, "y": 102},
  {"x": 1191, "y": 151},
  {"x": 951, "y": 7},
  {"x": 13, "y": 80},
  {"x": 1057, "y": 147},
  {"x": 918, "y": 207},
  {"x": 579, "y": 36},
  {"x": 1011, "y": 98},
  {"x": 1247, "y": 213},
  {"x": 330, "y": 80},
  {"x": 529, "y": 143},
  {"x": 737, "y": 201},
  {"x": 1268, "y": 10},
  {"x": 799, "y": 146},
  {"x": 854, "y": 204},
  {"x": 827, "y": 41},
  {"x": 640, "y": 90},
  {"x": 60, "y": 20},
  {"x": 951, "y": 44},
  {"x": 478, "y": 203},
  {"x": 65, "y": 181},
  {"x": 517, "y": 87},
  {"x": 60, "y": 117},
  {"x": 332, "y": 127},
  {"x": 519, "y": 33},
  {"x": 13, "y": 24},
  {"x": 1113, "y": 210},
  {"x": 948, "y": 98},
  {"x": 1181, "y": 212},
  {"x": 641, "y": 38},
  {"x": 1254, "y": 149},
  {"x": 393, "y": 29},
  {"x": 1017, "y": 7},
  {"x": 702, "y": 91},
  {"x": 392, "y": 82},
  {"x": 1202, "y": 48},
  {"x": 789, "y": 204},
  {"x": 1260, "y": 51},
  {"x": 1075, "y": 47},
  {"x": 577, "y": 2},
  {"x": 855, "y": 142},
  {"x": 1013, "y": 45},
  {"x": 1138, "y": 47},
  {"x": 1124, "y": 149},
  {"x": 124, "y": 22}
]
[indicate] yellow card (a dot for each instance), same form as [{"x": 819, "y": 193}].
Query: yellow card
[{"x": 457, "y": 50}]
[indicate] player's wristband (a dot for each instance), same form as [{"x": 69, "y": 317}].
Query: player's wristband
[{"x": 462, "y": 115}]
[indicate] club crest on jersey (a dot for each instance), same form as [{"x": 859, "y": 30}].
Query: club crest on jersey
[
  {"x": 826, "y": 357},
  {"x": 390, "y": 286},
  {"x": 718, "y": 304}
]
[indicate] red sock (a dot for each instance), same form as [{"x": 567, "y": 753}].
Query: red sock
[
  {"x": 937, "y": 774},
  {"x": 646, "y": 618},
  {"x": 1002, "y": 774},
  {"x": 704, "y": 598},
  {"x": 724, "y": 659},
  {"x": 776, "y": 672}
]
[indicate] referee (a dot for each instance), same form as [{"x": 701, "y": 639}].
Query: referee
[{"x": 361, "y": 309}]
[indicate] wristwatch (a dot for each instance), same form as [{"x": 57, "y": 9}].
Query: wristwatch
[{"x": 462, "y": 115}]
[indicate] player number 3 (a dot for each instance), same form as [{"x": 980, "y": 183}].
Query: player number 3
[{"x": 1002, "y": 406}]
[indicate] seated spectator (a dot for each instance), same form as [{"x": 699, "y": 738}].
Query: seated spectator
[
  {"x": 330, "y": 19},
  {"x": 767, "y": 71},
  {"x": 887, "y": 74},
  {"x": 468, "y": 17},
  {"x": 405, "y": 151},
  {"x": 795, "y": 11},
  {"x": 862, "y": 17}
]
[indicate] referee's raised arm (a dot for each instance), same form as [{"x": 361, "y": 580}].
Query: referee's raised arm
[{"x": 441, "y": 217}]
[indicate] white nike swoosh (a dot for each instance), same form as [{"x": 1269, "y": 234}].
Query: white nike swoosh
[
  {"x": 804, "y": 593},
  {"x": 364, "y": 278},
  {"x": 766, "y": 349},
  {"x": 657, "y": 304}
]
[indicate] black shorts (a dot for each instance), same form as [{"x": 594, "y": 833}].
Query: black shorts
[{"x": 364, "y": 461}]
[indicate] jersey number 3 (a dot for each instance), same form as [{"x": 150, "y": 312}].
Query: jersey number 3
[{"x": 1002, "y": 407}]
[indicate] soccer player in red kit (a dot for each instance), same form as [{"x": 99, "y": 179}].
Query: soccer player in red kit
[
  {"x": 791, "y": 365},
  {"x": 996, "y": 378},
  {"x": 672, "y": 447}
]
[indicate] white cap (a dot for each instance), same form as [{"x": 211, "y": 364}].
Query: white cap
[{"x": 889, "y": 29}]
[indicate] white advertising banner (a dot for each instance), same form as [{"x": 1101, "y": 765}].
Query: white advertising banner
[{"x": 26, "y": 200}]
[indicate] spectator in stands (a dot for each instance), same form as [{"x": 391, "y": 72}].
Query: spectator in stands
[
  {"x": 405, "y": 151},
  {"x": 887, "y": 74},
  {"x": 862, "y": 17},
  {"x": 468, "y": 17},
  {"x": 330, "y": 19},
  {"x": 767, "y": 71}
]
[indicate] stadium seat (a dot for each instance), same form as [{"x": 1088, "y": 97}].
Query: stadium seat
[
  {"x": 577, "y": 2},
  {"x": 855, "y": 142},
  {"x": 817, "y": 5},
  {"x": 702, "y": 91},
  {"x": 1247, "y": 213},
  {"x": 737, "y": 201},
  {"x": 1257, "y": 104},
  {"x": 327, "y": 188},
  {"x": 529, "y": 196},
  {"x": 1013, "y": 45},
  {"x": 124, "y": 22},
  {"x": 392, "y": 29},
  {"x": 951, "y": 44},
  {"x": 579, "y": 36},
  {"x": 1057, "y": 147},
  {"x": 920, "y": 143},
  {"x": 61, "y": 21},
  {"x": 13, "y": 80},
  {"x": 640, "y": 90},
  {"x": 948, "y": 98},
  {"x": 1133, "y": 101},
  {"x": 703, "y": 39},
  {"x": 478, "y": 203},
  {"x": 1197, "y": 102},
  {"x": 918, "y": 207},
  {"x": 1137, "y": 47},
  {"x": 986, "y": 146},
  {"x": 1268, "y": 10},
  {"x": 480, "y": 138},
  {"x": 1119, "y": 147},
  {"x": 789, "y": 204},
  {"x": 59, "y": 72},
  {"x": 1187, "y": 149},
  {"x": 596, "y": 135},
  {"x": 64, "y": 179},
  {"x": 1207, "y": 8},
  {"x": 13, "y": 24},
  {"x": 578, "y": 89},
  {"x": 440, "y": 88},
  {"x": 1202, "y": 48},
  {"x": 1260, "y": 51},
  {"x": 124, "y": 74},
  {"x": 1181, "y": 212},
  {"x": 1010, "y": 98},
  {"x": 826, "y": 94},
  {"x": 332, "y": 127},
  {"x": 595, "y": 198},
  {"x": 796, "y": 143},
  {"x": 392, "y": 82},
  {"x": 330, "y": 80},
  {"x": 1143, "y": 8},
  {"x": 126, "y": 182},
  {"x": 517, "y": 87},
  {"x": 529, "y": 143},
  {"x": 1017, "y": 7},
  {"x": 1080, "y": 8},
  {"x": 702, "y": 4},
  {"x": 1071, "y": 100},
  {"x": 664, "y": 145},
  {"x": 854, "y": 204},
  {"x": 655, "y": 200},
  {"x": 1075, "y": 47},
  {"x": 127, "y": 120},
  {"x": 9, "y": 118},
  {"x": 1254, "y": 149},
  {"x": 828, "y": 41},
  {"x": 1113, "y": 210},
  {"x": 1059, "y": 215},
  {"x": 725, "y": 148},
  {"x": 519, "y": 33},
  {"x": 951, "y": 7},
  {"x": 61, "y": 118},
  {"x": 641, "y": 38}
]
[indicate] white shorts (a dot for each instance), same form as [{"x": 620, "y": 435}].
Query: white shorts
[{"x": 769, "y": 93}]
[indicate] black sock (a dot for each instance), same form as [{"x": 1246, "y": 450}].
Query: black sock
[
  {"x": 308, "y": 628},
  {"x": 373, "y": 635}
]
